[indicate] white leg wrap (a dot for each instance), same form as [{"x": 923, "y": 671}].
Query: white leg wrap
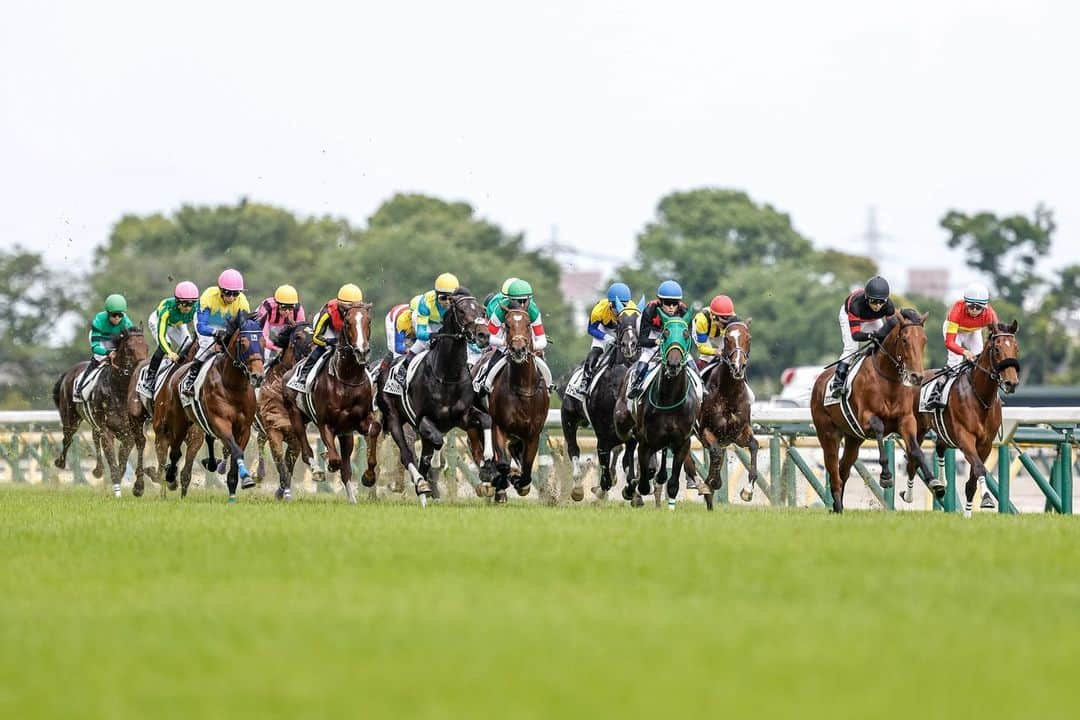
[
  {"x": 414, "y": 474},
  {"x": 577, "y": 467},
  {"x": 116, "y": 489},
  {"x": 489, "y": 451}
]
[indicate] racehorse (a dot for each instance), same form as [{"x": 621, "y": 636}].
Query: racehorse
[
  {"x": 141, "y": 409},
  {"x": 440, "y": 395},
  {"x": 106, "y": 408},
  {"x": 725, "y": 412},
  {"x": 881, "y": 402},
  {"x": 272, "y": 423},
  {"x": 518, "y": 408},
  {"x": 971, "y": 417},
  {"x": 339, "y": 405},
  {"x": 663, "y": 419},
  {"x": 598, "y": 409},
  {"x": 224, "y": 401}
]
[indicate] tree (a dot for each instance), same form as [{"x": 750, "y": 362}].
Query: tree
[
  {"x": 1006, "y": 249},
  {"x": 701, "y": 235},
  {"x": 35, "y": 302}
]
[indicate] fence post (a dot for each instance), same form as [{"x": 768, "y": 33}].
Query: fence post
[
  {"x": 890, "y": 456},
  {"x": 1065, "y": 476},
  {"x": 775, "y": 480},
  {"x": 1004, "y": 501},
  {"x": 950, "y": 480}
]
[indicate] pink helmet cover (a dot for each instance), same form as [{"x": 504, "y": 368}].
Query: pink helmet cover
[{"x": 231, "y": 280}]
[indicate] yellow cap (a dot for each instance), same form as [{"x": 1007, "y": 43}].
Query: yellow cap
[
  {"x": 446, "y": 283},
  {"x": 287, "y": 295},
  {"x": 350, "y": 293}
]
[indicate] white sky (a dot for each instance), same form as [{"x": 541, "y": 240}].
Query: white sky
[{"x": 580, "y": 115}]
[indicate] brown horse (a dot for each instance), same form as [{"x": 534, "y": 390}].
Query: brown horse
[
  {"x": 725, "y": 411},
  {"x": 341, "y": 401},
  {"x": 106, "y": 408},
  {"x": 272, "y": 423},
  {"x": 972, "y": 416},
  {"x": 518, "y": 408},
  {"x": 882, "y": 402},
  {"x": 141, "y": 410},
  {"x": 225, "y": 403}
]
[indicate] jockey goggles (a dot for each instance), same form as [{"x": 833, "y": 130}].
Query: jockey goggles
[
  {"x": 974, "y": 306},
  {"x": 116, "y": 314},
  {"x": 286, "y": 306},
  {"x": 875, "y": 301},
  {"x": 443, "y": 297},
  {"x": 230, "y": 293}
]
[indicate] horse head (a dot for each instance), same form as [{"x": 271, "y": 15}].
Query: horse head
[
  {"x": 244, "y": 347},
  {"x": 736, "y": 351},
  {"x": 295, "y": 342},
  {"x": 626, "y": 335},
  {"x": 675, "y": 341},
  {"x": 905, "y": 345},
  {"x": 464, "y": 316},
  {"x": 356, "y": 332},
  {"x": 519, "y": 343},
  {"x": 1001, "y": 355},
  {"x": 131, "y": 349}
]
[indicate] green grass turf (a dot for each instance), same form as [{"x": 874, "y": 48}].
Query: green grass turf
[{"x": 147, "y": 609}]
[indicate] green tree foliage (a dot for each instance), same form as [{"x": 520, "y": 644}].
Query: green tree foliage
[{"x": 34, "y": 303}]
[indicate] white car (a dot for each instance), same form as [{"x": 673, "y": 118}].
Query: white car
[{"x": 795, "y": 386}]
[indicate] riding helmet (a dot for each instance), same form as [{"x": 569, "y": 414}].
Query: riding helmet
[
  {"x": 976, "y": 294},
  {"x": 115, "y": 303},
  {"x": 287, "y": 295},
  {"x": 446, "y": 283},
  {"x": 231, "y": 279},
  {"x": 618, "y": 295},
  {"x": 519, "y": 290},
  {"x": 349, "y": 293},
  {"x": 669, "y": 290},
  {"x": 721, "y": 305},
  {"x": 877, "y": 288},
  {"x": 186, "y": 290}
]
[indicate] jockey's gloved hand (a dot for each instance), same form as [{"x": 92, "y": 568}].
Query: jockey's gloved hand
[
  {"x": 173, "y": 357},
  {"x": 219, "y": 334}
]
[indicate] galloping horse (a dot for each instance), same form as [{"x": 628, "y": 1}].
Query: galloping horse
[
  {"x": 223, "y": 407},
  {"x": 598, "y": 409},
  {"x": 106, "y": 408},
  {"x": 725, "y": 412},
  {"x": 518, "y": 408},
  {"x": 339, "y": 405},
  {"x": 440, "y": 395},
  {"x": 272, "y": 423},
  {"x": 141, "y": 410},
  {"x": 972, "y": 416},
  {"x": 881, "y": 402},
  {"x": 663, "y": 419}
]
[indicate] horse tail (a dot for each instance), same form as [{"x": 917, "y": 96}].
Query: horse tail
[{"x": 56, "y": 390}]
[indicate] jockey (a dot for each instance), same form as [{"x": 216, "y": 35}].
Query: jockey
[
  {"x": 399, "y": 328},
  {"x": 104, "y": 328},
  {"x": 169, "y": 326},
  {"x": 274, "y": 313},
  {"x": 329, "y": 322},
  {"x": 963, "y": 333},
  {"x": 862, "y": 317},
  {"x": 709, "y": 326},
  {"x": 427, "y": 310},
  {"x": 217, "y": 306},
  {"x": 516, "y": 294},
  {"x": 603, "y": 320},
  {"x": 669, "y": 300}
]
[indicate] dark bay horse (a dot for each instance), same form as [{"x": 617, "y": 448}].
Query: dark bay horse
[
  {"x": 106, "y": 409},
  {"x": 725, "y": 412},
  {"x": 341, "y": 398},
  {"x": 972, "y": 416},
  {"x": 226, "y": 402},
  {"x": 272, "y": 423},
  {"x": 883, "y": 397},
  {"x": 598, "y": 409},
  {"x": 440, "y": 396},
  {"x": 664, "y": 418},
  {"x": 518, "y": 407}
]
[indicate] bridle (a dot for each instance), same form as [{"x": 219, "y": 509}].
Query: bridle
[
  {"x": 241, "y": 359},
  {"x": 730, "y": 358},
  {"x": 996, "y": 367},
  {"x": 359, "y": 356},
  {"x": 454, "y": 312},
  {"x": 519, "y": 357},
  {"x": 901, "y": 367}
]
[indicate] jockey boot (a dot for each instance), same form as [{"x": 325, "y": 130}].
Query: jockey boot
[
  {"x": 836, "y": 385},
  {"x": 309, "y": 362},
  {"x": 187, "y": 387},
  {"x": 640, "y": 371},
  {"x": 403, "y": 367},
  {"x": 152, "y": 368},
  {"x": 94, "y": 362},
  {"x": 934, "y": 399},
  {"x": 480, "y": 381},
  {"x": 589, "y": 369}
]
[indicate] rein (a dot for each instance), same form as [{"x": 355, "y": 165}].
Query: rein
[{"x": 994, "y": 373}]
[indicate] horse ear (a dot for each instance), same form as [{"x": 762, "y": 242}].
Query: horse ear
[
  {"x": 749, "y": 320},
  {"x": 923, "y": 318},
  {"x": 1014, "y": 326},
  {"x": 689, "y": 316}
]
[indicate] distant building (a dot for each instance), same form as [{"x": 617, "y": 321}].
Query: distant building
[
  {"x": 581, "y": 289},
  {"x": 929, "y": 282}
]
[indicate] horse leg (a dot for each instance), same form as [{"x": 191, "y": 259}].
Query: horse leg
[
  {"x": 629, "y": 467},
  {"x": 976, "y": 470},
  {"x": 748, "y": 440},
  {"x": 124, "y": 447},
  {"x": 909, "y": 430},
  {"x": 848, "y": 458},
  {"x": 260, "y": 468},
  {"x": 333, "y": 458},
  {"x": 603, "y": 457},
  {"x": 482, "y": 420},
  {"x": 877, "y": 425},
  {"x": 98, "y": 470},
  {"x": 210, "y": 461},
  {"x": 643, "y": 460},
  {"x": 502, "y": 458},
  {"x": 276, "y": 440},
  {"x": 677, "y": 461},
  {"x": 830, "y": 448},
  {"x": 108, "y": 449},
  {"x": 405, "y": 449},
  {"x": 372, "y": 433},
  {"x": 528, "y": 457},
  {"x": 346, "y": 441},
  {"x": 661, "y": 477},
  {"x": 194, "y": 440},
  {"x": 573, "y": 451},
  {"x": 430, "y": 441},
  {"x": 69, "y": 435}
]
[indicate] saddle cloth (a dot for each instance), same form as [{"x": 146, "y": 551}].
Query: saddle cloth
[
  {"x": 575, "y": 387},
  {"x": 309, "y": 381},
  {"x": 88, "y": 387},
  {"x": 159, "y": 380},
  {"x": 695, "y": 381},
  {"x": 924, "y": 393},
  {"x": 848, "y": 382},
  {"x": 193, "y": 404}
]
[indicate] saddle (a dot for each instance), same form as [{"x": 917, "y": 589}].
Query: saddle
[
  {"x": 193, "y": 404},
  {"x": 844, "y": 401},
  {"x": 489, "y": 381},
  {"x": 938, "y": 413},
  {"x": 575, "y": 386},
  {"x": 313, "y": 374},
  {"x": 697, "y": 385}
]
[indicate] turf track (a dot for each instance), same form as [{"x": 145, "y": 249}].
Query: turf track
[{"x": 146, "y": 609}]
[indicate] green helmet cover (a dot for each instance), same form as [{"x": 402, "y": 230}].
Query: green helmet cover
[
  {"x": 519, "y": 289},
  {"x": 115, "y": 303}
]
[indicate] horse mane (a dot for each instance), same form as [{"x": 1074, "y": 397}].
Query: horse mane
[
  {"x": 911, "y": 315},
  {"x": 463, "y": 291},
  {"x": 285, "y": 335}
]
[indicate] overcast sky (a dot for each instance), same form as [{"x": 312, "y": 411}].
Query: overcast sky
[{"x": 575, "y": 114}]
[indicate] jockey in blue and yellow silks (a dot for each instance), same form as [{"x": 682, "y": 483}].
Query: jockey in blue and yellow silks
[
  {"x": 427, "y": 310},
  {"x": 217, "y": 306},
  {"x": 603, "y": 320}
]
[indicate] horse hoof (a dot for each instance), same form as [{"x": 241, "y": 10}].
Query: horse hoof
[
  {"x": 628, "y": 493},
  {"x": 691, "y": 484},
  {"x": 368, "y": 478},
  {"x": 232, "y": 498},
  {"x": 423, "y": 487},
  {"x": 137, "y": 488},
  {"x": 906, "y": 496},
  {"x": 967, "y": 513},
  {"x": 746, "y": 494},
  {"x": 318, "y": 476},
  {"x": 637, "y": 501},
  {"x": 886, "y": 482},
  {"x": 577, "y": 494},
  {"x": 116, "y": 489},
  {"x": 500, "y": 497},
  {"x": 333, "y": 466},
  {"x": 97, "y": 472},
  {"x": 987, "y": 502},
  {"x": 221, "y": 467},
  {"x": 173, "y": 485},
  {"x": 279, "y": 494},
  {"x": 523, "y": 490},
  {"x": 60, "y": 463}
]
